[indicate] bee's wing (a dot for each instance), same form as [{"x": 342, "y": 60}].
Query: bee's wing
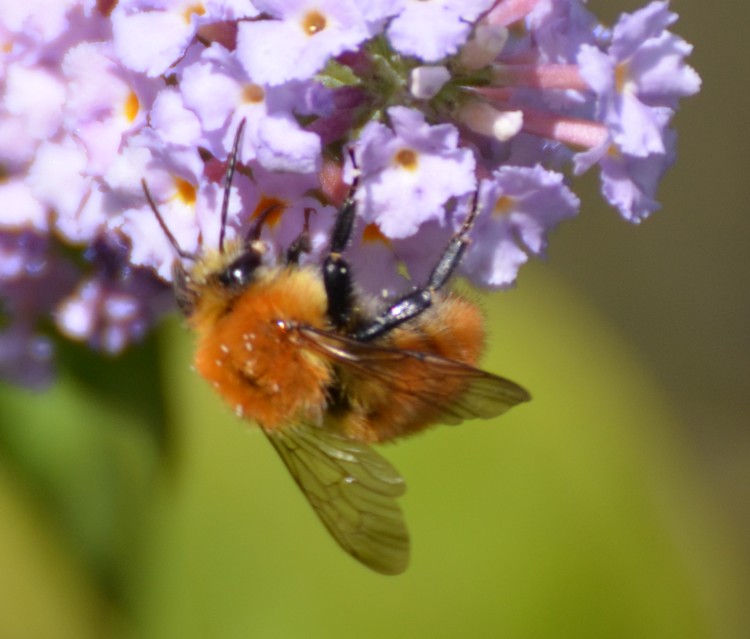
[
  {"x": 353, "y": 490},
  {"x": 483, "y": 395},
  {"x": 486, "y": 395}
]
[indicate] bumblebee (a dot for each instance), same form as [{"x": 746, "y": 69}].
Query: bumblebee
[{"x": 295, "y": 350}]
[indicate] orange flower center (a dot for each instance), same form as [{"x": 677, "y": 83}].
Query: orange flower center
[
  {"x": 185, "y": 191},
  {"x": 313, "y": 22},
  {"x": 407, "y": 159},
  {"x": 503, "y": 205},
  {"x": 253, "y": 93}
]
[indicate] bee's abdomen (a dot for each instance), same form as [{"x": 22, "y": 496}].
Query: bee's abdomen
[{"x": 416, "y": 394}]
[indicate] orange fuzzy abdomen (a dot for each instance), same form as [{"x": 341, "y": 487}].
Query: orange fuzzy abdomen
[
  {"x": 255, "y": 364},
  {"x": 452, "y": 329}
]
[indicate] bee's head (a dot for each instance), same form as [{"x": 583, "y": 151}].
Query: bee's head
[
  {"x": 217, "y": 277},
  {"x": 238, "y": 273}
]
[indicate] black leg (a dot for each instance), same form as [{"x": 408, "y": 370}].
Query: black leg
[
  {"x": 302, "y": 243},
  {"x": 336, "y": 272},
  {"x": 420, "y": 300},
  {"x": 253, "y": 235}
]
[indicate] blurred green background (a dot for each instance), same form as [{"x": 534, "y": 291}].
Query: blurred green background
[{"x": 133, "y": 504}]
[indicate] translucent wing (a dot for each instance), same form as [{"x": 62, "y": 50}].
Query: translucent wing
[
  {"x": 479, "y": 394},
  {"x": 353, "y": 490},
  {"x": 485, "y": 395}
]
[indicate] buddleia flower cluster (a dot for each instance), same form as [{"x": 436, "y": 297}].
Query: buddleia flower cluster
[{"x": 432, "y": 102}]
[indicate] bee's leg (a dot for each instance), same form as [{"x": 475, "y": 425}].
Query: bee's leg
[
  {"x": 419, "y": 300},
  {"x": 302, "y": 243},
  {"x": 337, "y": 275},
  {"x": 253, "y": 235}
]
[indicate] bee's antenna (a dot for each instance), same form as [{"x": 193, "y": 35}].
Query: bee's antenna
[
  {"x": 183, "y": 254},
  {"x": 228, "y": 183}
]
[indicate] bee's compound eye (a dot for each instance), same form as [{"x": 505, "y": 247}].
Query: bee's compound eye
[{"x": 240, "y": 272}]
